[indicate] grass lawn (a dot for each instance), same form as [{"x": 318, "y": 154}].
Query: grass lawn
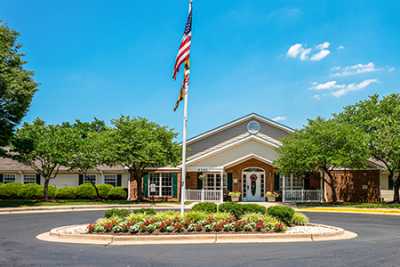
[
  {"x": 350, "y": 205},
  {"x": 32, "y": 203}
]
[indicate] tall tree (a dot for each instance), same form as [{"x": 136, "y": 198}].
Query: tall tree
[
  {"x": 322, "y": 146},
  {"x": 137, "y": 144},
  {"x": 380, "y": 120},
  {"x": 43, "y": 147},
  {"x": 86, "y": 149},
  {"x": 16, "y": 84}
]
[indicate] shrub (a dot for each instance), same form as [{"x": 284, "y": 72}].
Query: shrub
[
  {"x": 253, "y": 208},
  {"x": 238, "y": 210},
  {"x": 86, "y": 191},
  {"x": 30, "y": 191},
  {"x": 104, "y": 189},
  {"x": 235, "y": 209},
  {"x": 195, "y": 216},
  {"x": 149, "y": 211},
  {"x": 52, "y": 190},
  {"x": 208, "y": 207},
  {"x": 283, "y": 213},
  {"x": 252, "y": 217},
  {"x": 117, "y": 193},
  {"x": 135, "y": 218},
  {"x": 222, "y": 217},
  {"x": 68, "y": 192},
  {"x": 165, "y": 216},
  {"x": 116, "y": 213},
  {"x": 10, "y": 190},
  {"x": 300, "y": 219}
]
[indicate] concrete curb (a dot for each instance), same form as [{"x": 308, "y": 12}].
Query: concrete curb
[
  {"x": 65, "y": 234},
  {"x": 351, "y": 211},
  {"x": 51, "y": 209}
]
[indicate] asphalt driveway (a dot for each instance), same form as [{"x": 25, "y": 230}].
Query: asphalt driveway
[{"x": 378, "y": 244}]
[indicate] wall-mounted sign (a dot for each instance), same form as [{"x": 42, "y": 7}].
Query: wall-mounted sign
[
  {"x": 152, "y": 188},
  {"x": 364, "y": 187}
]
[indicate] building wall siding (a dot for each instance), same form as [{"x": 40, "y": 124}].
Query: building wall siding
[{"x": 229, "y": 133}]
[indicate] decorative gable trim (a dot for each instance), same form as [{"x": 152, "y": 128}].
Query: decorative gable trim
[{"x": 238, "y": 121}]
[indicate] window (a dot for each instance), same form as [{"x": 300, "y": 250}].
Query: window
[
  {"x": 162, "y": 184},
  {"x": 91, "y": 178},
  {"x": 292, "y": 182},
  {"x": 9, "y": 178},
  {"x": 29, "y": 179},
  {"x": 213, "y": 181},
  {"x": 110, "y": 179}
]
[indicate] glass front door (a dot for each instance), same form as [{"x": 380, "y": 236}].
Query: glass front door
[{"x": 253, "y": 183}]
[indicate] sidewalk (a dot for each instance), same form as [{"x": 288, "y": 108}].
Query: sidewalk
[{"x": 70, "y": 208}]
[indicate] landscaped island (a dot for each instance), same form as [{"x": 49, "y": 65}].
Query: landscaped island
[{"x": 203, "y": 218}]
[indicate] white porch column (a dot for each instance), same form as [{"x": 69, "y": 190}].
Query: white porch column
[
  {"x": 283, "y": 188},
  {"x": 222, "y": 187}
]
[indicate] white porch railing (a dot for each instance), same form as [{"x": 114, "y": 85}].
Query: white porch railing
[
  {"x": 202, "y": 195},
  {"x": 302, "y": 195}
]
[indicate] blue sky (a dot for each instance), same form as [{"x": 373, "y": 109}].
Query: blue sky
[{"x": 288, "y": 60}]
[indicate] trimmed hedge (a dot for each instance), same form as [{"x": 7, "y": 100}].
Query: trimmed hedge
[
  {"x": 238, "y": 210},
  {"x": 104, "y": 189},
  {"x": 30, "y": 191},
  {"x": 116, "y": 213},
  {"x": 283, "y": 213},
  {"x": 68, "y": 192},
  {"x": 84, "y": 191},
  {"x": 208, "y": 207},
  {"x": 117, "y": 193}
]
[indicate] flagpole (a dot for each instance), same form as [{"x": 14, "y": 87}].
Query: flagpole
[{"x": 183, "y": 176}]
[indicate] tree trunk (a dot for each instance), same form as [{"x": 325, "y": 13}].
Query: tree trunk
[
  {"x": 97, "y": 190},
  {"x": 396, "y": 188},
  {"x": 46, "y": 189},
  {"x": 139, "y": 187},
  {"x": 332, "y": 185}
]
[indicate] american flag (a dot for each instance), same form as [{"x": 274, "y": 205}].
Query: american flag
[{"x": 183, "y": 56}]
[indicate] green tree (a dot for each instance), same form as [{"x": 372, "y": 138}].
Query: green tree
[
  {"x": 380, "y": 120},
  {"x": 137, "y": 144},
  {"x": 16, "y": 84},
  {"x": 43, "y": 147},
  {"x": 322, "y": 146},
  {"x": 86, "y": 149}
]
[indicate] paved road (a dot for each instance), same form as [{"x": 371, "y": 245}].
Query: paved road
[{"x": 378, "y": 244}]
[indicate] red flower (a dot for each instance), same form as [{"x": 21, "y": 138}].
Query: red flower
[{"x": 90, "y": 228}]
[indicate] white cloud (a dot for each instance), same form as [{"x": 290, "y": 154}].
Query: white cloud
[
  {"x": 340, "y": 47},
  {"x": 320, "y": 55},
  {"x": 324, "y": 86},
  {"x": 353, "y": 87},
  {"x": 342, "y": 89},
  {"x": 279, "y": 118},
  {"x": 324, "y": 45},
  {"x": 391, "y": 69},
  {"x": 295, "y": 50},
  {"x": 304, "y": 53},
  {"x": 354, "y": 69}
]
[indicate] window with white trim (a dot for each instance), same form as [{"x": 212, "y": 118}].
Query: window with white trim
[
  {"x": 162, "y": 184},
  {"x": 29, "y": 179},
  {"x": 9, "y": 178},
  {"x": 212, "y": 181},
  {"x": 292, "y": 182},
  {"x": 90, "y": 178},
  {"x": 110, "y": 179}
]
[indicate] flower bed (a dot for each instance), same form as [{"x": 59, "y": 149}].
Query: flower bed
[{"x": 145, "y": 222}]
